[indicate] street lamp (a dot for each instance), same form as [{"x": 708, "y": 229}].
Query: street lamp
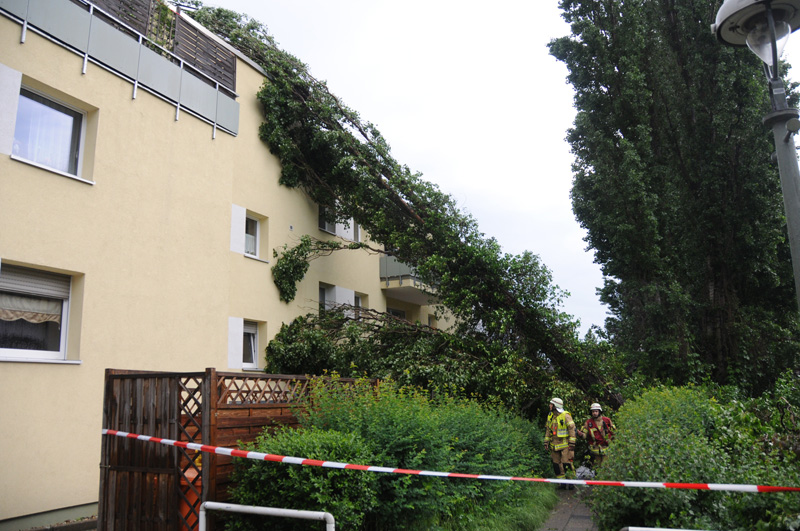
[{"x": 764, "y": 26}]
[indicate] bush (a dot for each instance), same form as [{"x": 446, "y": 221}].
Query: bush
[
  {"x": 763, "y": 437},
  {"x": 397, "y": 427},
  {"x": 414, "y": 431},
  {"x": 684, "y": 435},
  {"x": 346, "y": 494}
]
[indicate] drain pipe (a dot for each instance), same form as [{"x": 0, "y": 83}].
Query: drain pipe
[{"x": 330, "y": 524}]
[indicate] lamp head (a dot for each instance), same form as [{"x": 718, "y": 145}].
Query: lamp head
[{"x": 736, "y": 19}]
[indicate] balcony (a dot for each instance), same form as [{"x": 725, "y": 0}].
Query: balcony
[
  {"x": 399, "y": 281},
  {"x": 160, "y": 51}
]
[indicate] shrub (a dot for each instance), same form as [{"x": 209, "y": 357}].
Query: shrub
[
  {"x": 415, "y": 431},
  {"x": 397, "y": 427},
  {"x": 346, "y": 494},
  {"x": 683, "y": 435},
  {"x": 762, "y": 436}
]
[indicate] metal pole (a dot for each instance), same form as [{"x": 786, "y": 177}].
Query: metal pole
[
  {"x": 330, "y": 523},
  {"x": 786, "y": 153},
  {"x": 790, "y": 179}
]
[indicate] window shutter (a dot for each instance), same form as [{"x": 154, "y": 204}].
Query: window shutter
[
  {"x": 238, "y": 217},
  {"x": 235, "y": 334},
  {"x": 17, "y": 279}
]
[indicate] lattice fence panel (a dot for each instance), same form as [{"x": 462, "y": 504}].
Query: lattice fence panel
[
  {"x": 244, "y": 390},
  {"x": 190, "y": 426}
]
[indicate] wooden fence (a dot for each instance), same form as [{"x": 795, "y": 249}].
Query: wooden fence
[{"x": 149, "y": 486}]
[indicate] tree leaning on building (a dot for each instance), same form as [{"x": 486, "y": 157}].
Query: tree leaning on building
[{"x": 507, "y": 303}]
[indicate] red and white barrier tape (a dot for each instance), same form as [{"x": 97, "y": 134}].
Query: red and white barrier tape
[{"x": 258, "y": 456}]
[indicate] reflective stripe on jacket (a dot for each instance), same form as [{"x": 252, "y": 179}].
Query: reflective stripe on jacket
[
  {"x": 598, "y": 436},
  {"x": 559, "y": 430}
]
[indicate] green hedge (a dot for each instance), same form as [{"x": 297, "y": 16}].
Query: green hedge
[
  {"x": 398, "y": 428},
  {"x": 685, "y": 435},
  {"x": 346, "y": 494}
]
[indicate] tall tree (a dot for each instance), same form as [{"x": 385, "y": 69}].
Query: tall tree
[{"x": 673, "y": 182}]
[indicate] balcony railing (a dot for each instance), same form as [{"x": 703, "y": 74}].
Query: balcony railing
[
  {"x": 401, "y": 282},
  {"x": 392, "y": 268},
  {"x": 134, "y": 40}
]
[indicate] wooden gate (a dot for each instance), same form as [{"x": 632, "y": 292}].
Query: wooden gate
[{"x": 149, "y": 486}]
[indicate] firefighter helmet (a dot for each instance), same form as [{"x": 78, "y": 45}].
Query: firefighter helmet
[{"x": 558, "y": 403}]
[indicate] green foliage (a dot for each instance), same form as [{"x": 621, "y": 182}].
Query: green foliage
[
  {"x": 414, "y": 431},
  {"x": 398, "y": 427},
  {"x": 685, "y": 435},
  {"x": 346, "y": 494},
  {"x": 354, "y": 342},
  {"x": 293, "y": 263},
  {"x": 674, "y": 186},
  {"x": 533, "y": 509}
]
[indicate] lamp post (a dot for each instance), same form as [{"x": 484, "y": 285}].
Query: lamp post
[{"x": 764, "y": 26}]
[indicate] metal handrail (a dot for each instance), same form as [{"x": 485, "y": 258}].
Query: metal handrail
[{"x": 330, "y": 523}]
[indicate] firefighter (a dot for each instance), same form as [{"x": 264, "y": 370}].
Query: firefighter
[
  {"x": 598, "y": 430},
  {"x": 559, "y": 440}
]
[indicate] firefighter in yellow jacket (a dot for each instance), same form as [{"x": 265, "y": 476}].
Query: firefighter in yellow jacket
[{"x": 559, "y": 439}]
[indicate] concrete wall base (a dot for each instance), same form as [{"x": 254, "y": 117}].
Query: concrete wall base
[{"x": 52, "y": 519}]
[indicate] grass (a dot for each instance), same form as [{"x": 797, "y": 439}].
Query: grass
[{"x": 532, "y": 511}]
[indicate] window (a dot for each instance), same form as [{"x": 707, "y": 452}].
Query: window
[
  {"x": 47, "y": 133},
  {"x": 338, "y": 298},
  {"x": 251, "y": 236},
  {"x": 356, "y": 232},
  {"x": 34, "y": 306},
  {"x": 249, "y": 232},
  {"x": 322, "y": 298},
  {"x": 400, "y": 314},
  {"x": 324, "y": 224},
  {"x": 250, "y": 345}
]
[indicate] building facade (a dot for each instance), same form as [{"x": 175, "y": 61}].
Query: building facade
[{"x": 138, "y": 215}]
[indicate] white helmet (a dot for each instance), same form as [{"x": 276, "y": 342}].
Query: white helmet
[
  {"x": 596, "y": 406},
  {"x": 558, "y": 403}
]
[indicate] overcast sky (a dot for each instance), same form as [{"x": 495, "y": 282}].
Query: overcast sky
[{"x": 466, "y": 93}]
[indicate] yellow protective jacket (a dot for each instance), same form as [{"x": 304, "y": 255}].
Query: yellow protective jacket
[{"x": 559, "y": 430}]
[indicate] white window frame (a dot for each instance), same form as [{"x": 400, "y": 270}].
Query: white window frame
[
  {"x": 38, "y": 287},
  {"x": 77, "y": 145},
  {"x": 250, "y": 329},
  {"x": 254, "y": 238}
]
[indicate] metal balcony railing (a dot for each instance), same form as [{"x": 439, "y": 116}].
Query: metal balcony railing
[
  {"x": 196, "y": 75},
  {"x": 392, "y": 268}
]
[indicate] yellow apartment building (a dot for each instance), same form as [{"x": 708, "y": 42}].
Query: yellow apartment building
[{"x": 138, "y": 215}]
